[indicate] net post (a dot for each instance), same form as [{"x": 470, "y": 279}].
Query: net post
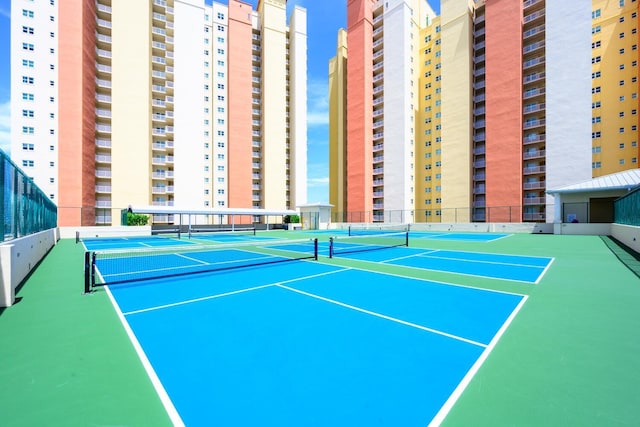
[
  {"x": 77, "y": 237},
  {"x": 178, "y": 232},
  {"x": 93, "y": 269},
  {"x": 87, "y": 272},
  {"x": 330, "y": 247},
  {"x": 254, "y": 230},
  {"x": 315, "y": 249},
  {"x": 406, "y": 239},
  {"x": 349, "y": 232}
]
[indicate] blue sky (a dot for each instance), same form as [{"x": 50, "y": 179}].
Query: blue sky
[{"x": 324, "y": 18}]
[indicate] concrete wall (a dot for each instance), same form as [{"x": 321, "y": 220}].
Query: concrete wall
[
  {"x": 18, "y": 257},
  {"x": 627, "y": 234}
]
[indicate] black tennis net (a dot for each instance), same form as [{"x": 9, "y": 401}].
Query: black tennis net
[
  {"x": 112, "y": 267},
  {"x": 220, "y": 232},
  {"x": 346, "y": 245},
  {"x": 372, "y": 229}
]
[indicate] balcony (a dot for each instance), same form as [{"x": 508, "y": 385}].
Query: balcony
[
  {"x": 528, "y": 201},
  {"x": 534, "y": 16},
  {"x": 534, "y": 62},
  {"x": 103, "y": 203},
  {"x": 538, "y": 185},
  {"x": 534, "y": 108},
  {"x": 534, "y": 139},
  {"x": 378, "y": 135},
  {"x": 531, "y": 124},
  {"x": 480, "y": 164},
  {"x": 532, "y": 93},
  {"x": 537, "y": 154},
  {"x": 103, "y": 23},
  {"x": 103, "y": 189},
  {"x": 103, "y": 173},
  {"x": 103, "y": 143},
  {"x": 539, "y": 30},
  {"x": 103, "y": 128},
  {"x": 530, "y": 170},
  {"x": 533, "y": 47},
  {"x": 103, "y": 158},
  {"x": 533, "y": 77}
]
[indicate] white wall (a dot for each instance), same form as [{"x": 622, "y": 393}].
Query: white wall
[
  {"x": 397, "y": 105},
  {"x": 18, "y": 257},
  {"x": 568, "y": 102},
  {"x": 627, "y": 234},
  {"x": 189, "y": 93}
]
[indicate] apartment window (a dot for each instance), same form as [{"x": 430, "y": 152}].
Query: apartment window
[
  {"x": 27, "y": 147},
  {"x": 220, "y": 28},
  {"x": 27, "y": 113},
  {"x": 220, "y": 63},
  {"x": 221, "y": 51},
  {"x": 27, "y": 30},
  {"x": 52, "y": 50},
  {"x": 596, "y": 44},
  {"x": 220, "y": 144},
  {"x": 634, "y": 31},
  {"x": 52, "y": 131},
  {"x": 206, "y": 52},
  {"x": 596, "y": 150},
  {"x": 220, "y": 133},
  {"x": 27, "y": 63},
  {"x": 220, "y": 15},
  {"x": 52, "y": 180},
  {"x": 621, "y": 35},
  {"x": 621, "y": 145},
  {"x": 621, "y": 3},
  {"x": 27, "y": 163},
  {"x": 52, "y": 18},
  {"x": 596, "y": 14},
  {"x": 52, "y": 34},
  {"x": 220, "y": 168},
  {"x": 596, "y": 75},
  {"x": 220, "y": 98},
  {"x": 634, "y": 128},
  {"x": 596, "y": 135},
  {"x": 621, "y": 161},
  {"x": 596, "y": 165},
  {"x": 27, "y": 80},
  {"x": 596, "y": 59},
  {"x": 27, "y": 13},
  {"x": 28, "y": 130},
  {"x": 28, "y": 96},
  {"x": 621, "y": 83},
  {"x": 621, "y": 130},
  {"x": 634, "y": 112},
  {"x": 621, "y": 19},
  {"x": 596, "y": 29},
  {"x": 596, "y": 119},
  {"x": 634, "y": 160},
  {"x": 621, "y": 114},
  {"x": 220, "y": 86},
  {"x": 596, "y": 89}
]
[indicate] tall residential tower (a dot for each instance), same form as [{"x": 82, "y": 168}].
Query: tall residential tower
[
  {"x": 497, "y": 97},
  {"x": 160, "y": 102}
]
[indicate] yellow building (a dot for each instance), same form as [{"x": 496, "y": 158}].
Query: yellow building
[
  {"x": 614, "y": 90},
  {"x": 428, "y": 186}
]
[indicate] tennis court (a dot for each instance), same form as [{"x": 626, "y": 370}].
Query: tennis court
[
  {"x": 308, "y": 343},
  {"x": 396, "y": 251}
]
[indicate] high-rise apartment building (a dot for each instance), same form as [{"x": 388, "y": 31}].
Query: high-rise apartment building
[
  {"x": 166, "y": 103},
  {"x": 614, "y": 58},
  {"x": 501, "y": 104}
]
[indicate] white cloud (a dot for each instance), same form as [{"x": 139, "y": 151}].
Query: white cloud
[
  {"x": 318, "y": 182},
  {"x": 5, "y": 126}
]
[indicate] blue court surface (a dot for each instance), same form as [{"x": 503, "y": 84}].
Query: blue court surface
[
  {"x": 132, "y": 242},
  {"x": 497, "y": 266},
  {"x": 310, "y": 344}
]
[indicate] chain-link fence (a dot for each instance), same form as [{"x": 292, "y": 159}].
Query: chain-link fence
[{"x": 627, "y": 209}]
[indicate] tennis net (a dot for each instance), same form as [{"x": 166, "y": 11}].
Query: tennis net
[
  {"x": 112, "y": 267},
  {"x": 219, "y": 232},
  {"x": 346, "y": 245},
  {"x": 119, "y": 235},
  {"x": 375, "y": 229}
]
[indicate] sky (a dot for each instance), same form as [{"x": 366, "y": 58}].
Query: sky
[{"x": 324, "y": 18}]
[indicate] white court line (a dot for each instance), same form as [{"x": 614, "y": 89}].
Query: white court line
[
  {"x": 189, "y": 258},
  {"x": 208, "y": 297},
  {"x": 411, "y": 256},
  {"x": 172, "y": 412},
  {"x": 393, "y": 319},
  {"x": 545, "y": 270},
  {"x": 426, "y": 255},
  {"x": 453, "y": 398},
  {"x": 225, "y": 294}
]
